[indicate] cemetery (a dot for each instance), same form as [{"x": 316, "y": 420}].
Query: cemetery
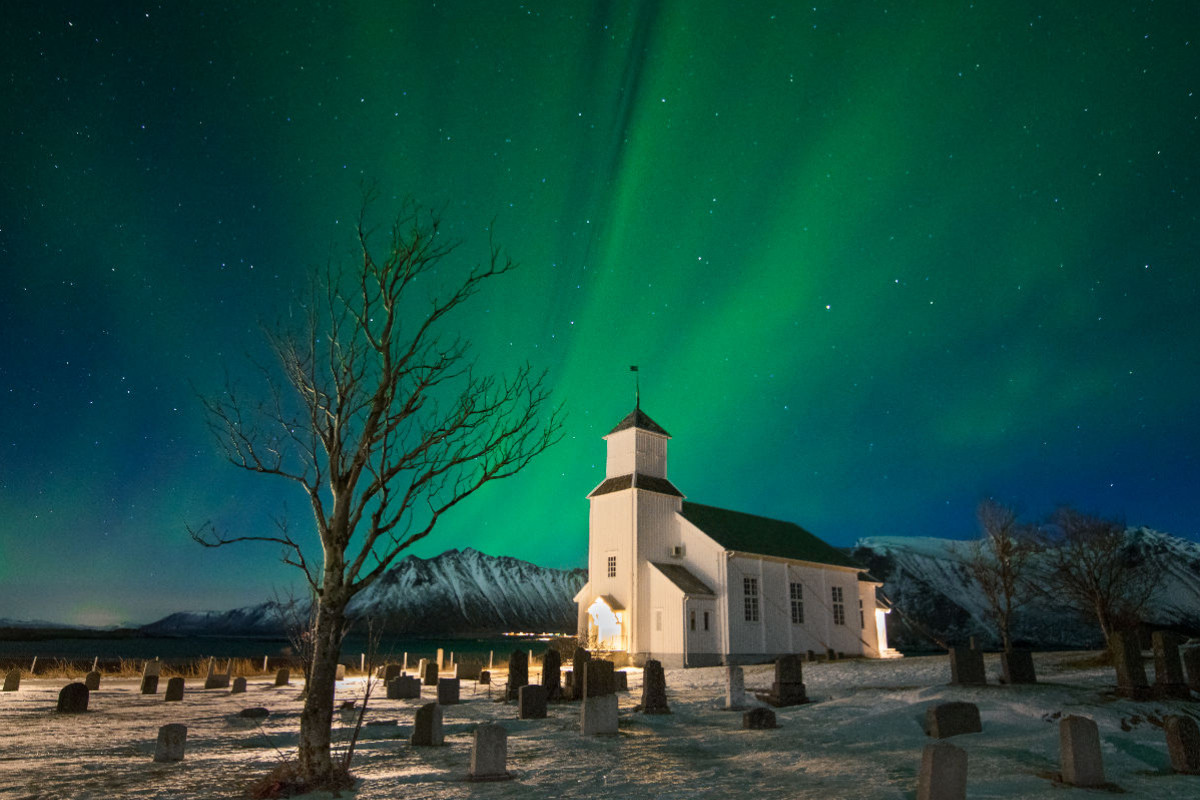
[{"x": 940, "y": 726}]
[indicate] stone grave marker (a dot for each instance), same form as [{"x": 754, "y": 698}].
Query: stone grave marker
[
  {"x": 218, "y": 680},
  {"x": 1191, "y": 666},
  {"x": 12, "y": 680},
  {"x": 404, "y": 687},
  {"x": 485, "y": 677},
  {"x": 489, "y": 752},
  {"x": 951, "y": 719},
  {"x": 580, "y": 656},
  {"x": 518, "y": 673},
  {"x": 283, "y": 677},
  {"x": 340, "y": 673},
  {"x": 1079, "y": 751},
  {"x": 210, "y": 674},
  {"x": 430, "y": 676},
  {"x": 174, "y": 690},
  {"x": 441, "y": 661},
  {"x": 239, "y": 685},
  {"x": 759, "y": 719},
  {"x": 171, "y": 739},
  {"x": 943, "y": 773},
  {"x": 1016, "y": 667},
  {"x": 427, "y": 726},
  {"x": 598, "y": 678},
  {"x": 73, "y": 698},
  {"x": 421, "y": 669},
  {"x": 552, "y": 674},
  {"x": 621, "y": 681},
  {"x": 1168, "y": 668},
  {"x": 531, "y": 701},
  {"x": 92, "y": 680},
  {"x": 598, "y": 715},
  {"x": 735, "y": 688},
  {"x": 150, "y": 673},
  {"x": 654, "y": 689},
  {"x": 966, "y": 667},
  {"x": 788, "y": 688},
  {"x": 390, "y": 672},
  {"x": 1183, "y": 743},
  {"x": 568, "y": 692},
  {"x": 1131, "y": 671},
  {"x": 255, "y": 712},
  {"x": 447, "y": 691}
]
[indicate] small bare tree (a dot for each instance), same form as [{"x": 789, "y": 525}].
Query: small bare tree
[
  {"x": 1000, "y": 562},
  {"x": 1092, "y": 567},
  {"x": 382, "y": 424}
]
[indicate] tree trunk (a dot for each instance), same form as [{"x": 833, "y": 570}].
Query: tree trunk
[{"x": 316, "y": 720}]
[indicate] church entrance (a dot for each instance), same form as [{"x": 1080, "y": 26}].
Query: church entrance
[{"x": 605, "y": 627}]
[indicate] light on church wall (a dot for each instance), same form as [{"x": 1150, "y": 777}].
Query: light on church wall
[{"x": 606, "y": 624}]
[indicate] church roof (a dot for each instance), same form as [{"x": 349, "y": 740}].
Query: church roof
[
  {"x": 683, "y": 578},
  {"x": 748, "y": 533},
  {"x": 639, "y": 419},
  {"x": 636, "y": 480}
]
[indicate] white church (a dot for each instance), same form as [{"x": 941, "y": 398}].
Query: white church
[{"x": 693, "y": 585}]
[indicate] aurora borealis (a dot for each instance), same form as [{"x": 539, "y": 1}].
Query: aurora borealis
[{"x": 875, "y": 262}]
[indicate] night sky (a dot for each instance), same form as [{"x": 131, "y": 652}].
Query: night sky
[{"x": 874, "y": 263}]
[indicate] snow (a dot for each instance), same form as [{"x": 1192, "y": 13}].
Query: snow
[{"x": 861, "y": 738}]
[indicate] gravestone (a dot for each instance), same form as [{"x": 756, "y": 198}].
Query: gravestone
[
  {"x": 966, "y": 667},
  {"x": 943, "y": 773},
  {"x": 430, "y": 676},
  {"x": 256, "y": 712},
  {"x": 621, "y": 681},
  {"x": 391, "y": 672},
  {"x": 239, "y": 685},
  {"x": 1016, "y": 667},
  {"x": 12, "y": 680},
  {"x": 735, "y": 689},
  {"x": 788, "y": 688},
  {"x": 489, "y": 752},
  {"x": 1183, "y": 744},
  {"x": 598, "y": 715},
  {"x": 421, "y": 669},
  {"x": 485, "y": 677},
  {"x": 174, "y": 690},
  {"x": 654, "y": 689},
  {"x": 150, "y": 673},
  {"x": 951, "y": 719},
  {"x": 427, "y": 727},
  {"x": 578, "y": 659},
  {"x": 518, "y": 673},
  {"x": 568, "y": 677},
  {"x": 283, "y": 677},
  {"x": 441, "y": 662},
  {"x": 171, "y": 739},
  {"x": 1191, "y": 665},
  {"x": 447, "y": 691},
  {"x": 1127, "y": 660},
  {"x": 1079, "y": 750},
  {"x": 218, "y": 680},
  {"x": 552, "y": 674},
  {"x": 531, "y": 702},
  {"x": 597, "y": 678},
  {"x": 73, "y": 698},
  {"x": 92, "y": 680},
  {"x": 759, "y": 719},
  {"x": 404, "y": 687},
  {"x": 1168, "y": 668},
  {"x": 340, "y": 673}
]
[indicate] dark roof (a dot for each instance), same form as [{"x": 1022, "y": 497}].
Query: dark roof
[
  {"x": 638, "y": 419},
  {"x": 683, "y": 578},
  {"x": 747, "y": 533},
  {"x": 636, "y": 480}
]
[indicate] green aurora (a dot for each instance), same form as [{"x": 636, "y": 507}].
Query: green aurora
[{"x": 875, "y": 263}]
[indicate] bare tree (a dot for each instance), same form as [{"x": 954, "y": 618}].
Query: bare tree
[
  {"x": 1093, "y": 567},
  {"x": 383, "y": 423},
  {"x": 1000, "y": 562}
]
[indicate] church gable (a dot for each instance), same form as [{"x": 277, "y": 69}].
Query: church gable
[{"x": 747, "y": 533}]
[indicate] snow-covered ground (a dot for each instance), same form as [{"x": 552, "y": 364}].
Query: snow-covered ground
[{"x": 861, "y": 738}]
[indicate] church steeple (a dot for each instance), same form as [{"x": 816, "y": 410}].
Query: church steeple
[{"x": 637, "y": 445}]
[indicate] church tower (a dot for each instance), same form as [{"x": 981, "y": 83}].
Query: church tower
[{"x": 631, "y": 517}]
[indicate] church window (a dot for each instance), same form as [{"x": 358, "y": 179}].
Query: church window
[
  {"x": 612, "y": 566},
  {"x": 839, "y": 606},
  {"x": 705, "y": 620},
  {"x": 750, "y": 589},
  {"x": 797, "y": 593},
  {"x": 862, "y": 619}
]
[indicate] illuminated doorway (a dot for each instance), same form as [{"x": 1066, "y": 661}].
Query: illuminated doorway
[{"x": 605, "y": 617}]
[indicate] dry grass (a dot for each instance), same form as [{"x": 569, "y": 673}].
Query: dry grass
[{"x": 67, "y": 669}]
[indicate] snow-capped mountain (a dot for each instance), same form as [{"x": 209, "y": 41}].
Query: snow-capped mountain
[
  {"x": 937, "y": 598},
  {"x": 457, "y": 592}
]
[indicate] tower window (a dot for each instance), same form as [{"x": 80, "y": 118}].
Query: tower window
[
  {"x": 750, "y": 589},
  {"x": 705, "y": 620},
  {"x": 839, "y": 607},
  {"x": 862, "y": 618},
  {"x": 612, "y": 566},
  {"x": 797, "y": 596}
]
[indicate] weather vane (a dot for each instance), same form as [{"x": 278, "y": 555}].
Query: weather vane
[{"x": 637, "y": 387}]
